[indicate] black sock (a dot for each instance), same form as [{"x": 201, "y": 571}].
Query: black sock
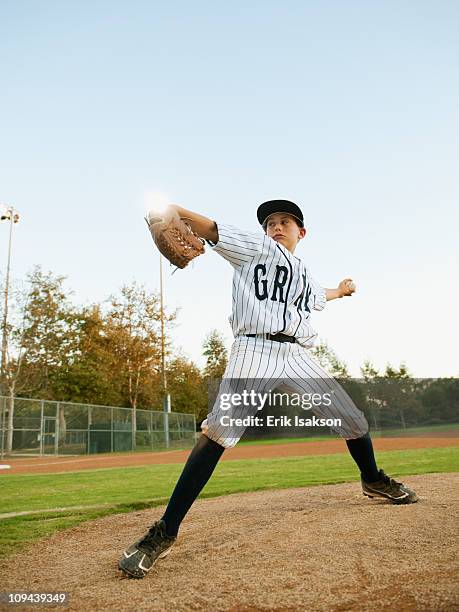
[
  {"x": 197, "y": 471},
  {"x": 361, "y": 450}
]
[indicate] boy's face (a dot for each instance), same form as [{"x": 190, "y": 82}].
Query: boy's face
[{"x": 284, "y": 229}]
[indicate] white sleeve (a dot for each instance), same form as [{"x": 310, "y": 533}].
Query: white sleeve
[
  {"x": 237, "y": 246},
  {"x": 317, "y": 297}
]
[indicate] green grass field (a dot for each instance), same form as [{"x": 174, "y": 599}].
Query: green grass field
[
  {"x": 428, "y": 431},
  {"x": 134, "y": 488}
]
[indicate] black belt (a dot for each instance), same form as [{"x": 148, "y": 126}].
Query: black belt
[{"x": 273, "y": 337}]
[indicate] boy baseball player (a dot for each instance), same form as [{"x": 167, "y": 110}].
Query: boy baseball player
[{"x": 273, "y": 297}]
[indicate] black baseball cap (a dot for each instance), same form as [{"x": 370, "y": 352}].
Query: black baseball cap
[{"x": 279, "y": 206}]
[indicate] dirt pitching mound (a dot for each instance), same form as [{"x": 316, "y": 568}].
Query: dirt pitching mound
[{"x": 322, "y": 548}]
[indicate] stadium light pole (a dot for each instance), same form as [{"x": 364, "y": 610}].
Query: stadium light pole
[
  {"x": 166, "y": 396},
  {"x": 157, "y": 205},
  {"x": 7, "y": 213}
]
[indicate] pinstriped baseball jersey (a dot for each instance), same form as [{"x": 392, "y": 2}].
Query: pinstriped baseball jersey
[{"x": 273, "y": 291}]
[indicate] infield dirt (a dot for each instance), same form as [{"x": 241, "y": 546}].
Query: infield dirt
[{"x": 324, "y": 548}]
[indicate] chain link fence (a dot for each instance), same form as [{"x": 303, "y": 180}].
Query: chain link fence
[{"x": 40, "y": 427}]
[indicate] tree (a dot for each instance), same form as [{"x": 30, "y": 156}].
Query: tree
[
  {"x": 368, "y": 370},
  {"x": 399, "y": 390},
  {"x": 373, "y": 403},
  {"x": 330, "y": 361},
  {"x": 91, "y": 376},
  {"x": 40, "y": 339},
  {"x": 187, "y": 387},
  {"x": 216, "y": 354},
  {"x": 50, "y": 336},
  {"x": 134, "y": 336},
  {"x": 214, "y": 350},
  {"x": 391, "y": 396},
  {"x": 439, "y": 400},
  {"x": 14, "y": 353}
]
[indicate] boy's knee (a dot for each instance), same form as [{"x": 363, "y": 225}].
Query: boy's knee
[{"x": 213, "y": 434}]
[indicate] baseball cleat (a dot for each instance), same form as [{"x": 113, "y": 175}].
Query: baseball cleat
[
  {"x": 139, "y": 558},
  {"x": 389, "y": 488}
]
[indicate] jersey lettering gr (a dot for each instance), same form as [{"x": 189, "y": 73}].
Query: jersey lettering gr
[{"x": 273, "y": 291}]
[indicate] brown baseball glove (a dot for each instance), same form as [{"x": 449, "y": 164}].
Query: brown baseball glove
[{"x": 174, "y": 238}]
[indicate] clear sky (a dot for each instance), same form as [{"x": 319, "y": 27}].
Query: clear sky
[{"x": 350, "y": 108}]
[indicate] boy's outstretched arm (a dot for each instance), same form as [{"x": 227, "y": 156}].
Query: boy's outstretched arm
[
  {"x": 203, "y": 226},
  {"x": 346, "y": 287}
]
